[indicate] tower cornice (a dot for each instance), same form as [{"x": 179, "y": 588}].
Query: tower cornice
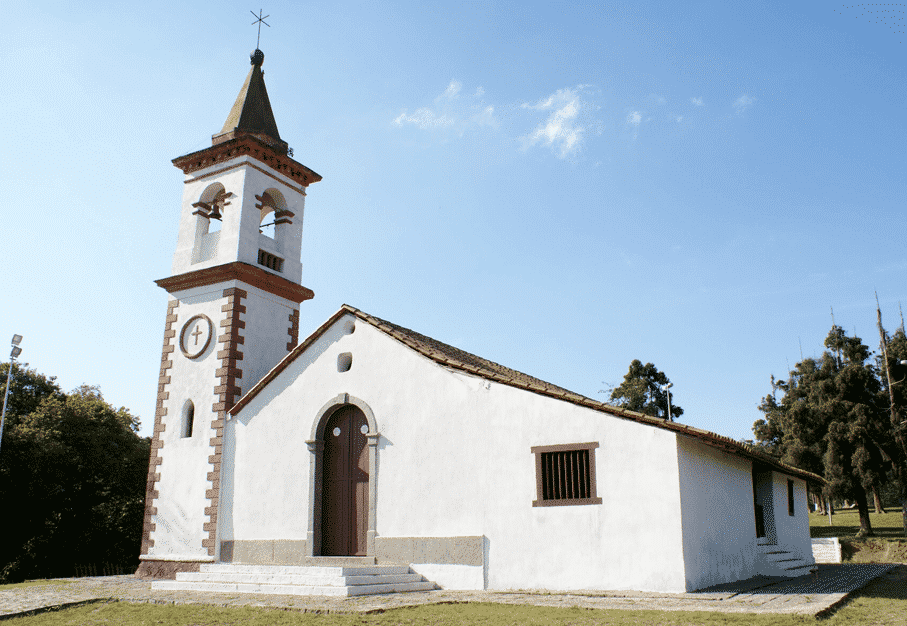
[
  {"x": 247, "y": 145},
  {"x": 242, "y": 272}
]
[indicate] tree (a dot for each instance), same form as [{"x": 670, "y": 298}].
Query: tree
[
  {"x": 72, "y": 480},
  {"x": 27, "y": 388},
  {"x": 829, "y": 421},
  {"x": 643, "y": 391},
  {"x": 894, "y": 399}
]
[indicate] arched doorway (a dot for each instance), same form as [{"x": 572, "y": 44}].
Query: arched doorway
[{"x": 345, "y": 484}]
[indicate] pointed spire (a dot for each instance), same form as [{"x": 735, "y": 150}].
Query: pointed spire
[{"x": 251, "y": 113}]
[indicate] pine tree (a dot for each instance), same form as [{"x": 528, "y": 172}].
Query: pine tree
[
  {"x": 643, "y": 391},
  {"x": 830, "y": 421}
]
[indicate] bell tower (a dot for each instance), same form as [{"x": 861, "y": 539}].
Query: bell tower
[{"x": 235, "y": 289}]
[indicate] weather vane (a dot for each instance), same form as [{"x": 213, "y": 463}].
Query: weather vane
[{"x": 259, "y": 20}]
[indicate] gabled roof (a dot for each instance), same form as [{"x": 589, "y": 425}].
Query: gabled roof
[{"x": 454, "y": 358}]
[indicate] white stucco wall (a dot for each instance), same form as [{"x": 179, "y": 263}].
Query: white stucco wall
[
  {"x": 266, "y": 334},
  {"x": 719, "y": 527},
  {"x": 454, "y": 459},
  {"x": 239, "y": 238},
  {"x": 792, "y": 531},
  {"x": 184, "y": 463}
]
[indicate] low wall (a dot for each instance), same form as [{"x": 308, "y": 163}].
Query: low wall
[{"x": 827, "y": 550}]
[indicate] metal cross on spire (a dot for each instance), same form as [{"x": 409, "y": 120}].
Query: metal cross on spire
[{"x": 259, "y": 20}]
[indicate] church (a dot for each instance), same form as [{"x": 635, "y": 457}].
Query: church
[{"x": 276, "y": 462}]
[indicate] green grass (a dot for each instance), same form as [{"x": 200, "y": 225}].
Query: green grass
[
  {"x": 888, "y": 546},
  {"x": 434, "y": 615},
  {"x": 846, "y": 523}
]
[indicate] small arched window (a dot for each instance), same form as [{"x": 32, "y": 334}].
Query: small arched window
[{"x": 188, "y": 418}]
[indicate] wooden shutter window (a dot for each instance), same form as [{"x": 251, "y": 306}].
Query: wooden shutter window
[{"x": 565, "y": 474}]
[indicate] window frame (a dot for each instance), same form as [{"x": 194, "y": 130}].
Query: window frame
[
  {"x": 188, "y": 420},
  {"x": 540, "y": 500},
  {"x": 791, "y": 509}
]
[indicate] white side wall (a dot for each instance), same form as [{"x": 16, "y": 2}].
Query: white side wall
[
  {"x": 719, "y": 527},
  {"x": 792, "y": 530},
  {"x": 454, "y": 460}
]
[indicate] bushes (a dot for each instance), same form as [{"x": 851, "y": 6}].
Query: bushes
[{"x": 72, "y": 480}]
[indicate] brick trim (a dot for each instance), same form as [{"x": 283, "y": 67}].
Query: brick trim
[
  {"x": 294, "y": 330},
  {"x": 151, "y": 492},
  {"x": 249, "y": 274},
  {"x": 227, "y": 393},
  {"x": 255, "y": 148}
]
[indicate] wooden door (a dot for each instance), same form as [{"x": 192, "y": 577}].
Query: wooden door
[{"x": 344, "y": 499}]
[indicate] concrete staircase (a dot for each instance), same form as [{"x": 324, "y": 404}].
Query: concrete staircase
[
  {"x": 775, "y": 561},
  {"x": 298, "y": 580}
]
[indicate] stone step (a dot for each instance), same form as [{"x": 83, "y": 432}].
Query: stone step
[
  {"x": 358, "y": 570},
  {"x": 801, "y": 569},
  {"x": 300, "y": 580},
  {"x": 294, "y": 590},
  {"x": 305, "y": 579},
  {"x": 790, "y": 568},
  {"x": 343, "y": 561},
  {"x": 776, "y": 561}
]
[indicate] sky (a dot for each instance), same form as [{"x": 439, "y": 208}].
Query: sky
[{"x": 559, "y": 188}]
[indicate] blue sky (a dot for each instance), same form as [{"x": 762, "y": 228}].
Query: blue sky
[{"x": 560, "y": 189}]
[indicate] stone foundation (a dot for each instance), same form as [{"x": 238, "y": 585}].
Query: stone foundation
[{"x": 165, "y": 569}]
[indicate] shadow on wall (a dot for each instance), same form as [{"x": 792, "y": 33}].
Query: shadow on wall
[{"x": 486, "y": 550}]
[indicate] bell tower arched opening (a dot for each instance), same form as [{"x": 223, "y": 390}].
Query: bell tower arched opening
[{"x": 209, "y": 214}]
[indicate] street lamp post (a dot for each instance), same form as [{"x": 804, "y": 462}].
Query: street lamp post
[
  {"x": 16, "y": 351},
  {"x": 667, "y": 389}
]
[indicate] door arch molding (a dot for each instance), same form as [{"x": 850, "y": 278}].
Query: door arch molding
[{"x": 316, "y": 448}]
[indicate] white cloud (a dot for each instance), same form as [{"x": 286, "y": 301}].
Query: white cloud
[
  {"x": 485, "y": 117},
  {"x": 742, "y": 103},
  {"x": 678, "y": 118},
  {"x": 451, "y": 111},
  {"x": 424, "y": 119},
  {"x": 452, "y": 91},
  {"x": 566, "y": 123},
  {"x": 697, "y": 101},
  {"x": 634, "y": 119}
]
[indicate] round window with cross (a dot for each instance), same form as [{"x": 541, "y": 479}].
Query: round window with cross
[{"x": 196, "y": 336}]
